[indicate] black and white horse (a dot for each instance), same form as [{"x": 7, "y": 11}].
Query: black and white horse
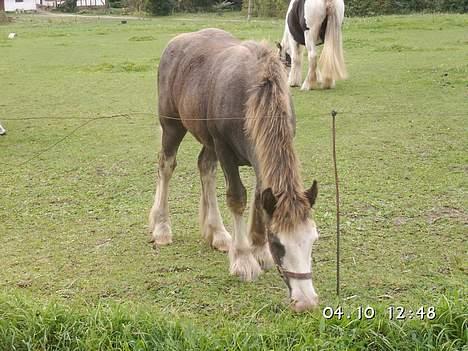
[
  {"x": 2, "y": 130},
  {"x": 310, "y": 23}
]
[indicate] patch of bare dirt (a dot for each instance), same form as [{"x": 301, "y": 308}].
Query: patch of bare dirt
[{"x": 439, "y": 213}]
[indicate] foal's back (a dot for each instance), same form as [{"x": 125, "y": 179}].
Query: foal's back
[{"x": 206, "y": 75}]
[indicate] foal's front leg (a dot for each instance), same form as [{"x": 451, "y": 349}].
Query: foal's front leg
[
  {"x": 242, "y": 262},
  {"x": 260, "y": 247}
]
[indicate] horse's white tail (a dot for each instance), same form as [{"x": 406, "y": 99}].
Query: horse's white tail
[{"x": 331, "y": 60}]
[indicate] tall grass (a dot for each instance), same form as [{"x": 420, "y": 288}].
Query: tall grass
[{"x": 29, "y": 325}]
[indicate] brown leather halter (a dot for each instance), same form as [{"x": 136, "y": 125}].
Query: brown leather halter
[
  {"x": 293, "y": 275},
  {"x": 284, "y": 273}
]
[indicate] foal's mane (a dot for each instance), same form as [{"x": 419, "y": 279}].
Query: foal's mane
[{"x": 269, "y": 126}]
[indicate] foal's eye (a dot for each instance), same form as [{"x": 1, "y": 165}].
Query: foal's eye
[{"x": 277, "y": 248}]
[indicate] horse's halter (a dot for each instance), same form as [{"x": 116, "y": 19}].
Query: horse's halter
[
  {"x": 293, "y": 275},
  {"x": 285, "y": 275}
]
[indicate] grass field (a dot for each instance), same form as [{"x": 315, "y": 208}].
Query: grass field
[{"x": 76, "y": 271}]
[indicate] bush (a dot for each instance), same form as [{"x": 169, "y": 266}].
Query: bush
[
  {"x": 383, "y": 7},
  {"x": 136, "y": 5},
  {"x": 277, "y": 8},
  {"x": 117, "y": 4},
  {"x": 67, "y": 6},
  {"x": 267, "y": 8},
  {"x": 3, "y": 17},
  {"x": 160, "y": 7}
]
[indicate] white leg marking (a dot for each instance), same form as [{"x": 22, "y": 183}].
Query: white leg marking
[
  {"x": 211, "y": 223},
  {"x": 160, "y": 225},
  {"x": 261, "y": 252},
  {"x": 295, "y": 75},
  {"x": 242, "y": 262},
  {"x": 311, "y": 80}
]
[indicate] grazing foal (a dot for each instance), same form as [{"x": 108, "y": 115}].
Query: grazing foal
[
  {"x": 309, "y": 23},
  {"x": 233, "y": 98}
]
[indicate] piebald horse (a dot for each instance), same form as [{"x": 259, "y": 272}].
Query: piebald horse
[
  {"x": 233, "y": 97},
  {"x": 310, "y": 23}
]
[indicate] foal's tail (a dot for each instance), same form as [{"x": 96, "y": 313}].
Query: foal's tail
[{"x": 331, "y": 60}]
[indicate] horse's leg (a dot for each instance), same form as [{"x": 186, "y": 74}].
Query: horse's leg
[
  {"x": 210, "y": 219},
  {"x": 260, "y": 248},
  {"x": 172, "y": 134},
  {"x": 311, "y": 80},
  {"x": 295, "y": 74},
  {"x": 242, "y": 262}
]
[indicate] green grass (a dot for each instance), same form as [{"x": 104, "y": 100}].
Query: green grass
[
  {"x": 51, "y": 326},
  {"x": 76, "y": 270}
]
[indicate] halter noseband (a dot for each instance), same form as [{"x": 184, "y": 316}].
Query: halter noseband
[
  {"x": 293, "y": 275},
  {"x": 284, "y": 273}
]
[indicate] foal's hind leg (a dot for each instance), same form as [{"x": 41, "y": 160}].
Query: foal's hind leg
[
  {"x": 260, "y": 248},
  {"x": 159, "y": 223},
  {"x": 210, "y": 219},
  {"x": 242, "y": 262}
]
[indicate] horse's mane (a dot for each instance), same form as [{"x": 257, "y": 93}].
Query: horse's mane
[{"x": 269, "y": 126}]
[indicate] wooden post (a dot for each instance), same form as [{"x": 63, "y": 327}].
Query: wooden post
[
  {"x": 2, "y": 5},
  {"x": 249, "y": 10}
]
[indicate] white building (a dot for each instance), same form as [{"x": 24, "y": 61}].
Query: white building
[
  {"x": 48, "y": 3},
  {"x": 19, "y": 5},
  {"x": 79, "y": 3},
  {"x": 30, "y": 5},
  {"x": 90, "y": 3}
]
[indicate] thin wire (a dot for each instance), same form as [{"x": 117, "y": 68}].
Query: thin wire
[
  {"x": 298, "y": 118},
  {"x": 127, "y": 115},
  {"x": 43, "y": 151},
  {"x": 148, "y": 113}
]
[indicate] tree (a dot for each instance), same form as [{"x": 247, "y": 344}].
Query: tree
[{"x": 3, "y": 16}]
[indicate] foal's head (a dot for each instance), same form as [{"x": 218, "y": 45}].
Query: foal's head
[
  {"x": 291, "y": 247},
  {"x": 284, "y": 56}
]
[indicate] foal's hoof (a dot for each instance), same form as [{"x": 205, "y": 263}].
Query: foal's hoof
[
  {"x": 161, "y": 235},
  {"x": 263, "y": 256},
  {"x": 245, "y": 266},
  {"x": 221, "y": 241}
]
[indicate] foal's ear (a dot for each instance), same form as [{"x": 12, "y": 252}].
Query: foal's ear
[
  {"x": 311, "y": 193},
  {"x": 268, "y": 201},
  {"x": 278, "y": 45}
]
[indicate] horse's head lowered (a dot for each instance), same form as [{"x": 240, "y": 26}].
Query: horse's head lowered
[{"x": 292, "y": 249}]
